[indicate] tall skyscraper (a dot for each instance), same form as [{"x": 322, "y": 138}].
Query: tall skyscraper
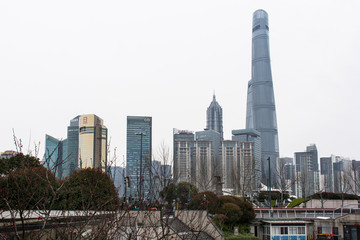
[
  {"x": 261, "y": 112},
  {"x": 214, "y": 119},
  {"x": 71, "y": 159},
  {"x": 183, "y": 155},
  {"x": 55, "y": 152},
  {"x": 92, "y": 142},
  {"x": 138, "y": 155}
]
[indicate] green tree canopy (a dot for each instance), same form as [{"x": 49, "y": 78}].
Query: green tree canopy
[
  {"x": 181, "y": 192},
  {"x": 247, "y": 210},
  {"x": 19, "y": 161},
  {"x": 233, "y": 214},
  {"x": 205, "y": 201},
  {"x": 185, "y": 190},
  {"x": 28, "y": 189},
  {"x": 89, "y": 189}
]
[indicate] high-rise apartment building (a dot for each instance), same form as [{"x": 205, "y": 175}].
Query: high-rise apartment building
[
  {"x": 326, "y": 174},
  {"x": 183, "y": 154},
  {"x": 207, "y": 167},
  {"x": 229, "y": 156},
  {"x": 138, "y": 155},
  {"x": 307, "y": 172},
  {"x": 55, "y": 153},
  {"x": 261, "y": 112},
  {"x": 248, "y": 160},
  {"x": 92, "y": 142},
  {"x": 214, "y": 117}
]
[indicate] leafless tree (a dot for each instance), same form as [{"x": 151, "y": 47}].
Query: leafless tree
[{"x": 285, "y": 179}]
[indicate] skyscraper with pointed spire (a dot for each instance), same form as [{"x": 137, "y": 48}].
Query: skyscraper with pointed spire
[
  {"x": 214, "y": 120},
  {"x": 261, "y": 112}
]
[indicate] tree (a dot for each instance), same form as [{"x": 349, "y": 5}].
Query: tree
[
  {"x": 19, "y": 161},
  {"x": 233, "y": 214},
  {"x": 285, "y": 179},
  {"x": 248, "y": 213},
  {"x": 89, "y": 189},
  {"x": 205, "y": 201},
  {"x": 28, "y": 191},
  {"x": 28, "y": 188}
]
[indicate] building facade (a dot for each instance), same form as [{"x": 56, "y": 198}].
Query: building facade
[
  {"x": 183, "y": 148},
  {"x": 72, "y": 156},
  {"x": 326, "y": 174},
  {"x": 261, "y": 112},
  {"x": 229, "y": 156},
  {"x": 214, "y": 118},
  {"x": 138, "y": 155},
  {"x": 92, "y": 142},
  {"x": 215, "y": 138},
  {"x": 203, "y": 171},
  {"x": 307, "y": 172},
  {"x": 248, "y": 160},
  {"x": 55, "y": 152}
]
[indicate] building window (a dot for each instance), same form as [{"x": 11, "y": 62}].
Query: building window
[{"x": 284, "y": 230}]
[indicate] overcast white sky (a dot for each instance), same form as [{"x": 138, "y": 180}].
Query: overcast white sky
[{"x": 165, "y": 58}]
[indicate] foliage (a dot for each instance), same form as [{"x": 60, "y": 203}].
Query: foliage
[
  {"x": 185, "y": 190},
  {"x": 334, "y": 196},
  {"x": 169, "y": 193},
  {"x": 297, "y": 202},
  {"x": 233, "y": 214},
  {"x": 89, "y": 189},
  {"x": 219, "y": 220},
  {"x": 182, "y": 191},
  {"x": 205, "y": 201},
  {"x": 27, "y": 189},
  {"x": 242, "y": 235},
  {"x": 248, "y": 213},
  {"x": 19, "y": 161},
  {"x": 275, "y": 195}
]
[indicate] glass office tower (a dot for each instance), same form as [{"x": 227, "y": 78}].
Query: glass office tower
[
  {"x": 138, "y": 156},
  {"x": 261, "y": 112},
  {"x": 92, "y": 142},
  {"x": 71, "y": 159},
  {"x": 55, "y": 152}
]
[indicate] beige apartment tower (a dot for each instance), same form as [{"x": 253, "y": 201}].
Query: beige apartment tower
[{"x": 92, "y": 142}]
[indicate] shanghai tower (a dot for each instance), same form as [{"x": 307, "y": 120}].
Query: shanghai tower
[{"x": 261, "y": 112}]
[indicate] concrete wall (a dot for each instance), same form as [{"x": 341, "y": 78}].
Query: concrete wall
[{"x": 316, "y": 203}]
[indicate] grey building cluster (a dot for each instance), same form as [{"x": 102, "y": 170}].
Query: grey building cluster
[
  {"x": 309, "y": 174},
  {"x": 209, "y": 162},
  {"x": 240, "y": 164}
]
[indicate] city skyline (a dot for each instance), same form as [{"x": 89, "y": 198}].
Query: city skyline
[{"x": 164, "y": 60}]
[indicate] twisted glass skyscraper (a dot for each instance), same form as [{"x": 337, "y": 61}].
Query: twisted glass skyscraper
[{"x": 261, "y": 112}]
